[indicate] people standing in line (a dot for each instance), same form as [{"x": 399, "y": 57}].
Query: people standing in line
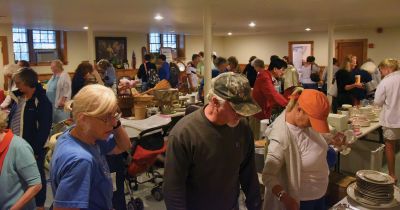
[
  {"x": 83, "y": 75},
  {"x": 306, "y": 71},
  {"x": 191, "y": 72},
  {"x": 250, "y": 72},
  {"x": 144, "y": 71},
  {"x": 8, "y": 72},
  {"x": 58, "y": 90},
  {"x": 30, "y": 118},
  {"x": 359, "y": 93},
  {"x": 19, "y": 175},
  {"x": 387, "y": 96},
  {"x": 296, "y": 173},
  {"x": 163, "y": 72},
  {"x": 233, "y": 64},
  {"x": 210, "y": 153},
  {"x": 79, "y": 175}
]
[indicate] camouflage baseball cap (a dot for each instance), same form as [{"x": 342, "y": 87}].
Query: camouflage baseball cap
[{"x": 236, "y": 89}]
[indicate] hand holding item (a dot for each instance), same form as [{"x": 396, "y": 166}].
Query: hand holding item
[
  {"x": 359, "y": 85},
  {"x": 125, "y": 84}
]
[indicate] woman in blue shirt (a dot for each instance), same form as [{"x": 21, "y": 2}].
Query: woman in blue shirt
[{"x": 80, "y": 177}]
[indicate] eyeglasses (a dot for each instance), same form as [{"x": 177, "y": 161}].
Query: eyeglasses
[{"x": 116, "y": 116}]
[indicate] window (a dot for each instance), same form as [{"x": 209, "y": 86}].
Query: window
[
  {"x": 20, "y": 40},
  {"x": 174, "y": 41},
  {"x": 169, "y": 40},
  {"x": 44, "y": 39},
  {"x": 157, "y": 40},
  {"x": 39, "y": 47}
]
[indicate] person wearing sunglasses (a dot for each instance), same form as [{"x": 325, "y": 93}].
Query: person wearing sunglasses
[{"x": 80, "y": 177}]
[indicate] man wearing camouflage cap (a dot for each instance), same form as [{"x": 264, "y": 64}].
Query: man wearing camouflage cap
[{"x": 210, "y": 153}]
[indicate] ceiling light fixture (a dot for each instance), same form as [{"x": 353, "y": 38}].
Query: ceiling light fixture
[
  {"x": 252, "y": 24},
  {"x": 85, "y": 27},
  {"x": 308, "y": 29},
  {"x": 229, "y": 33},
  {"x": 158, "y": 17}
]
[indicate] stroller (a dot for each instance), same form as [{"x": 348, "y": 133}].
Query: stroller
[{"x": 146, "y": 146}]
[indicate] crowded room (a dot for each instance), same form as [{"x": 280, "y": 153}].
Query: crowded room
[{"x": 200, "y": 105}]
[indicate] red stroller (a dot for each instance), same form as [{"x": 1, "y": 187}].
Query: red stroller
[{"x": 145, "y": 149}]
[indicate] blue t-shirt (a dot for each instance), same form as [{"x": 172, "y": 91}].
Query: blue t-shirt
[
  {"x": 80, "y": 177},
  {"x": 163, "y": 73}
]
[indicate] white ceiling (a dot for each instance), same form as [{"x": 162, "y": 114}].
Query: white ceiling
[{"x": 185, "y": 16}]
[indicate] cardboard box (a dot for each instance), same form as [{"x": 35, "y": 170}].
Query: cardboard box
[{"x": 338, "y": 121}]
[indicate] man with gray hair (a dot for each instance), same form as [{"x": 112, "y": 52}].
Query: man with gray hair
[{"x": 210, "y": 153}]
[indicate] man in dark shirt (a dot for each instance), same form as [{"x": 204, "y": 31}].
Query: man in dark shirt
[
  {"x": 144, "y": 71},
  {"x": 210, "y": 153}
]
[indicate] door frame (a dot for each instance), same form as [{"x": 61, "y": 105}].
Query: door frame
[
  {"x": 4, "y": 51},
  {"x": 365, "y": 46}
]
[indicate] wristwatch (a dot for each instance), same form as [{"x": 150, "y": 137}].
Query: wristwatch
[
  {"x": 280, "y": 195},
  {"x": 118, "y": 125}
]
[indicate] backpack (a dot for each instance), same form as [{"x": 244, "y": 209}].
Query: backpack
[
  {"x": 153, "y": 76},
  {"x": 173, "y": 76}
]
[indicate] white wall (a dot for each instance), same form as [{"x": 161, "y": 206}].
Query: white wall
[
  {"x": 195, "y": 44},
  {"x": 387, "y": 44}
]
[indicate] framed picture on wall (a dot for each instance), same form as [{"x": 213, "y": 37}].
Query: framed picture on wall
[
  {"x": 298, "y": 52},
  {"x": 112, "y": 49}
]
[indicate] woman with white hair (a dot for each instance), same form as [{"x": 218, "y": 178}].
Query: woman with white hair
[
  {"x": 9, "y": 70},
  {"x": 59, "y": 90},
  {"x": 19, "y": 175},
  {"x": 80, "y": 177}
]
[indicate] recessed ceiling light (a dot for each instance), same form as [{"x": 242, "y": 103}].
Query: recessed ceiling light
[
  {"x": 229, "y": 33},
  {"x": 308, "y": 29},
  {"x": 85, "y": 27},
  {"x": 172, "y": 31},
  {"x": 158, "y": 17},
  {"x": 252, "y": 24}
]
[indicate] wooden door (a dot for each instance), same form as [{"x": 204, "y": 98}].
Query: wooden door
[
  {"x": 4, "y": 54},
  {"x": 357, "y": 47}
]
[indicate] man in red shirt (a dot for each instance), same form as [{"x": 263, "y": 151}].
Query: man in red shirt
[{"x": 266, "y": 87}]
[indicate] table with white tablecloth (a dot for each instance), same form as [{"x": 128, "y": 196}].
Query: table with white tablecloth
[{"x": 356, "y": 206}]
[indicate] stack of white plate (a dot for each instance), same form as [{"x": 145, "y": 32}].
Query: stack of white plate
[{"x": 374, "y": 188}]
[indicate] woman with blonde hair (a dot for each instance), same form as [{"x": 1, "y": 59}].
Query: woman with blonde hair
[
  {"x": 58, "y": 90},
  {"x": 80, "y": 177},
  {"x": 387, "y": 96},
  {"x": 345, "y": 83},
  {"x": 19, "y": 175}
]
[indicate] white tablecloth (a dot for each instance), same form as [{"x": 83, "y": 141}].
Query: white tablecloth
[{"x": 355, "y": 205}]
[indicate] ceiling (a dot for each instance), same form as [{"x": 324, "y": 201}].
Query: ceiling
[{"x": 185, "y": 16}]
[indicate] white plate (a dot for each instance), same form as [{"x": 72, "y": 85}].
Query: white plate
[
  {"x": 375, "y": 177},
  {"x": 370, "y": 204}
]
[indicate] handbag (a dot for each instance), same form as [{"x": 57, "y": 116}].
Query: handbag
[
  {"x": 332, "y": 90},
  {"x": 314, "y": 76}
]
